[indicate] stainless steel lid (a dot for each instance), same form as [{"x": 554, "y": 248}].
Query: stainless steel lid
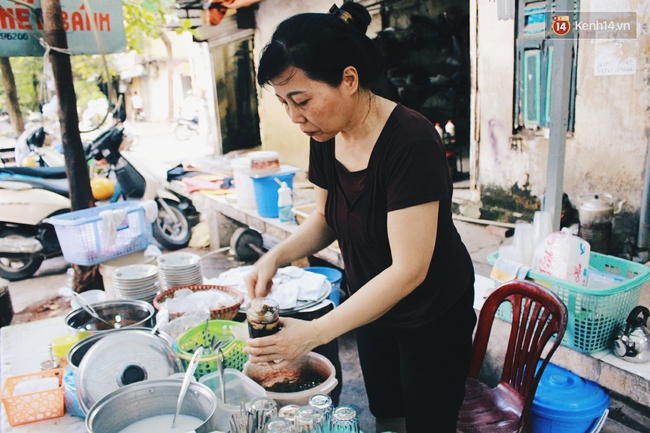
[{"x": 120, "y": 359}]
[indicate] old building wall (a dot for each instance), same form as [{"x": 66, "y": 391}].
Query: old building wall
[
  {"x": 277, "y": 132},
  {"x": 608, "y": 149}
]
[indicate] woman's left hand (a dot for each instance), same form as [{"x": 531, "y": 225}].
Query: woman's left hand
[{"x": 295, "y": 339}]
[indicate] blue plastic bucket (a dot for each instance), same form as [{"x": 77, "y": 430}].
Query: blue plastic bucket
[
  {"x": 266, "y": 193},
  {"x": 567, "y": 403},
  {"x": 334, "y": 276}
]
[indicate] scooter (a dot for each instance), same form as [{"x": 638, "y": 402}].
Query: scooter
[
  {"x": 185, "y": 128},
  {"x": 29, "y": 195}
]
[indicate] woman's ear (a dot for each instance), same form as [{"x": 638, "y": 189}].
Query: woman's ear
[{"x": 350, "y": 82}]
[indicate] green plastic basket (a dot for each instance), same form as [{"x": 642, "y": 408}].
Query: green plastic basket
[
  {"x": 202, "y": 335},
  {"x": 594, "y": 313}
]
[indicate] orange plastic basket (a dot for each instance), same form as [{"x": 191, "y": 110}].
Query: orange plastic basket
[{"x": 35, "y": 406}]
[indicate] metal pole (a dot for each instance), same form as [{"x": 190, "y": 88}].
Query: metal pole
[
  {"x": 644, "y": 217},
  {"x": 558, "y": 122}
]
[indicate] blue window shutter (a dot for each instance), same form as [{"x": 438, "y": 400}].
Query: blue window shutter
[
  {"x": 547, "y": 98},
  {"x": 531, "y": 96}
]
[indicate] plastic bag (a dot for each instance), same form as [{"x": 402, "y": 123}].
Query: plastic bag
[{"x": 563, "y": 256}]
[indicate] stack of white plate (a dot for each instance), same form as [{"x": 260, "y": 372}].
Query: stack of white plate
[
  {"x": 180, "y": 269},
  {"x": 136, "y": 282}
]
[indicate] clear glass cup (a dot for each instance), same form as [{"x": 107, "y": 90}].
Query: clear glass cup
[
  {"x": 345, "y": 420},
  {"x": 310, "y": 420},
  {"x": 289, "y": 413},
  {"x": 263, "y": 315},
  {"x": 324, "y": 403},
  {"x": 263, "y": 409},
  {"x": 278, "y": 425}
]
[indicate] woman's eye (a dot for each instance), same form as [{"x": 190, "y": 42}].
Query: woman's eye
[{"x": 302, "y": 103}]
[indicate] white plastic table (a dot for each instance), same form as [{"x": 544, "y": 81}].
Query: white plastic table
[{"x": 22, "y": 349}]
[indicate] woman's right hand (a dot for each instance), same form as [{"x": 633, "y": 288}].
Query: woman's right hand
[{"x": 260, "y": 280}]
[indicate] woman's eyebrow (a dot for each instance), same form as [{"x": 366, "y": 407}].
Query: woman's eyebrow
[{"x": 295, "y": 92}]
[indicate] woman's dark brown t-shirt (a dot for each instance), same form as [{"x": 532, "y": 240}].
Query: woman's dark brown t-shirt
[{"x": 407, "y": 167}]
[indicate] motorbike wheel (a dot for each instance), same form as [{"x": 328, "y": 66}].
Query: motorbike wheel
[
  {"x": 18, "y": 268},
  {"x": 183, "y": 132},
  {"x": 170, "y": 235}
]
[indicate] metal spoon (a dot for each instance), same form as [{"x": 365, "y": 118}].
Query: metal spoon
[
  {"x": 90, "y": 310},
  {"x": 221, "y": 374},
  {"x": 189, "y": 373}
]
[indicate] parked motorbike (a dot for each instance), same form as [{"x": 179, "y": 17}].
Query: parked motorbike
[
  {"x": 185, "y": 128},
  {"x": 33, "y": 151},
  {"x": 138, "y": 115},
  {"x": 29, "y": 195}
]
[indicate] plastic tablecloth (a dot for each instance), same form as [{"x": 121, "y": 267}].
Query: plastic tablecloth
[{"x": 22, "y": 349}]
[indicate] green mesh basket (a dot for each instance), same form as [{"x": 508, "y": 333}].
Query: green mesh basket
[{"x": 201, "y": 335}]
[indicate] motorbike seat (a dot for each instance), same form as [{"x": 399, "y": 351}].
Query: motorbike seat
[
  {"x": 42, "y": 172},
  {"x": 57, "y": 186}
]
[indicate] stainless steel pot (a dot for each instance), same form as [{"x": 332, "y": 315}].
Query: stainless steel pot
[
  {"x": 120, "y": 359},
  {"x": 124, "y": 313},
  {"x": 142, "y": 400},
  {"x": 78, "y": 351}
]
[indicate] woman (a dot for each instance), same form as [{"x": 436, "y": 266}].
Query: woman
[{"x": 383, "y": 190}]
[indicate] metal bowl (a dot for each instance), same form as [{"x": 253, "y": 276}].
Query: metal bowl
[
  {"x": 123, "y": 313},
  {"x": 142, "y": 400}
]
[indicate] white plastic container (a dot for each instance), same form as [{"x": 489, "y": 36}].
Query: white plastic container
[
  {"x": 239, "y": 388},
  {"x": 264, "y": 162},
  {"x": 243, "y": 182},
  {"x": 285, "y": 203}
]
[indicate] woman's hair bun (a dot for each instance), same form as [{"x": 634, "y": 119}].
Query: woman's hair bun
[{"x": 359, "y": 13}]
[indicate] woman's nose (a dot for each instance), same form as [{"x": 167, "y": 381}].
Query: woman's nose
[{"x": 295, "y": 116}]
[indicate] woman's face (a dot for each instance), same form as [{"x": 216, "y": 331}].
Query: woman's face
[{"x": 320, "y": 110}]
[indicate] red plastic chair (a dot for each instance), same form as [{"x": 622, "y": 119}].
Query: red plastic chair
[{"x": 538, "y": 315}]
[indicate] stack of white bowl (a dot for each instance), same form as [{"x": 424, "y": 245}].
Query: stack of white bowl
[
  {"x": 136, "y": 282},
  {"x": 180, "y": 269}
]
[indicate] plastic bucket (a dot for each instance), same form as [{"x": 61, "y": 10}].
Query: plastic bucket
[
  {"x": 266, "y": 193},
  {"x": 334, "y": 276},
  {"x": 566, "y": 403},
  {"x": 243, "y": 182}
]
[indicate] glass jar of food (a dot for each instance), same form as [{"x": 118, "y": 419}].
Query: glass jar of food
[{"x": 263, "y": 315}]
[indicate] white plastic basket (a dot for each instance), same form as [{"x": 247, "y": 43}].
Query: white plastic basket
[{"x": 83, "y": 238}]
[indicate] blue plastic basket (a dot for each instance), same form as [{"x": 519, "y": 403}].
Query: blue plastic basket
[
  {"x": 84, "y": 242},
  {"x": 594, "y": 313}
]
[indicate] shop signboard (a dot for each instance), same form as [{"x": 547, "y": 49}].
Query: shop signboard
[{"x": 21, "y": 27}]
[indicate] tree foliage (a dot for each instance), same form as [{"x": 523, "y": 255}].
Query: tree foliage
[{"x": 142, "y": 19}]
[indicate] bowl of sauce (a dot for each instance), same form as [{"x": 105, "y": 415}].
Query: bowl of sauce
[{"x": 309, "y": 375}]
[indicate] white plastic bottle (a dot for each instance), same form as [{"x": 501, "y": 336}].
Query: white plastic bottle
[
  {"x": 285, "y": 203},
  {"x": 439, "y": 129},
  {"x": 450, "y": 128}
]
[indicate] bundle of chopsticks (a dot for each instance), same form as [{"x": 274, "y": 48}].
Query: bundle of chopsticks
[{"x": 248, "y": 420}]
